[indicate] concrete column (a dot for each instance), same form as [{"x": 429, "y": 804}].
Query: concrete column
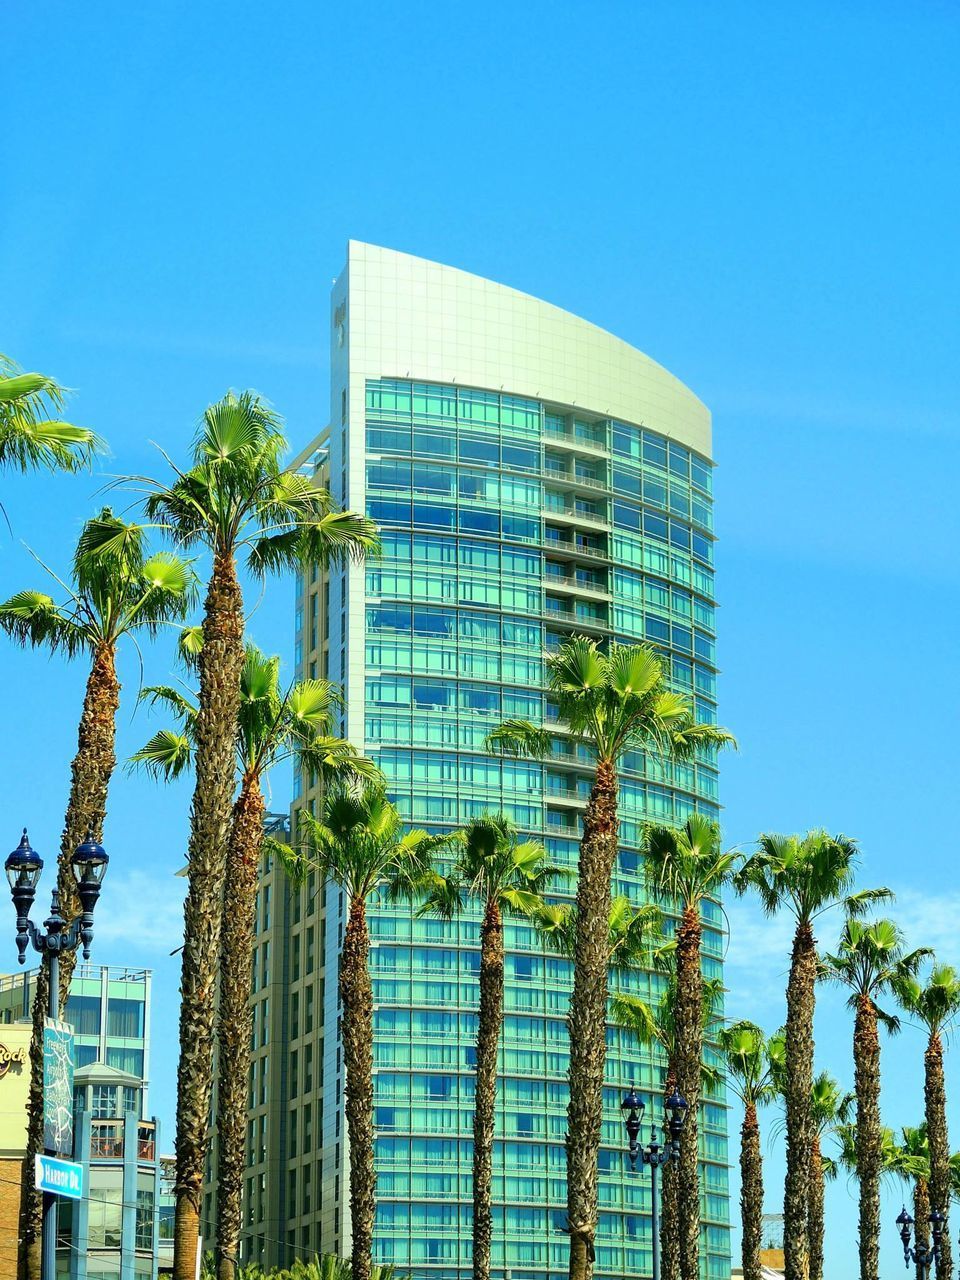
[
  {"x": 81, "y": 1209},
  {"x": 129, "y": 1236}
]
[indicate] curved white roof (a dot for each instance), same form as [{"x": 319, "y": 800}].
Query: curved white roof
[{"x": 412, "y": 318}]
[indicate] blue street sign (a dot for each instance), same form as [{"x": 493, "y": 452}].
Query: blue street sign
[{"x": 59, "y": 1177}]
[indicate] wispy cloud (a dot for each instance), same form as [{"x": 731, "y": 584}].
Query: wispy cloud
[
  {"x": 805, "y": 408},
  {"x": 930, "y": 920},
  {"x": 758, "y": 956},
  {"x": 196, "y": 345},
  {"x": 145, "y": 911}
]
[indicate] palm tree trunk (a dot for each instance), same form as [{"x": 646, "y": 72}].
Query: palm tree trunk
[
  {"x": 90, "y": 773},
  {"x": 588, "y": 1016},
  {"x": 935, "y": 1105},
  {"x": 669, "y": 1202},
  {"x": 356, "y": 998},
  {"x": 801, "y": 998},
  {"x": 751, "y": 1192},
  {"x": 921, "y": 1218},
  {"x": 815, "y": 1211},
  {"x": 689, "y": 1057},
  {"x": 233, "y": 1018},
  {"x": 220, "y": 663},
  {"x": 866, "y": 1062},
  {"x": 489, "y": 1024}
]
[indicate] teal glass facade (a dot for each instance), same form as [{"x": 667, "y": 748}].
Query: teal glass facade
[{"x": 508, "y": 523}]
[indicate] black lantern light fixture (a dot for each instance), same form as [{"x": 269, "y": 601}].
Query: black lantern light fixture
[
  {"x": 653, "y": 1154},
  {"x": 23, "y": 867},
  {"x": 925, "y": 1256}
]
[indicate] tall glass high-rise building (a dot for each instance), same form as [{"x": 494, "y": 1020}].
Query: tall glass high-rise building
[{"x": 533, "y": 476}]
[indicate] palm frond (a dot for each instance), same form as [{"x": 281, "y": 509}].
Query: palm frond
[
  {"x": 519, "y": 738},
  {"x": 167, "y": 755},
  {"x": 33, "y": 618},
  {"x": 31, "y": 435}
]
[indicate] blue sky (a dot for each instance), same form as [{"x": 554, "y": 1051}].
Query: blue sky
[{"x": 764, "y": 198}]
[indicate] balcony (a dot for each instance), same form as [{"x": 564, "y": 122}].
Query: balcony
[
  {"x": 575, "y": 582},
  {"x": 571, "y": 547},
  {"x": 558, "y": 611},
  {"x": 559, "y": 506},
  {"x": 592, "y": 442},
  {"x": 106, "y": 1140}
]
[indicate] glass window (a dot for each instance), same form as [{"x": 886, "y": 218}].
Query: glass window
[
  {"x": 428, "y": 479},
  {"x": 389, "y": 618},
  {"x": 129, "y": 1060},
  {"x": 479, "y": 698},
  {"x": 654, "y": 526},
  {"x": 432, "y": 515},
  {"x": 428, "y": 444},
  {"x": 700, "y": 473},
  {"x": 627, "y": 516},
  {"x": 84, "y": 1013},
  {"x": 388, "y": 474},
  {"x": 434, "y": 622},
  {"x": 388, "y": 439},
  {"x": 479, "y": 486},
  {"x": 479, "y": 449},
  {"x": 105, "y": 1226},
  {"x": 627, "y": 481},
  {"x": 387, "y": 512},
  {"x": 482, "y": 522},
  {"x": 125, "y": 1018},
  {"x": 520, "y": 528},
  {"x": 426, "y": 694},
  {"x": 626, "y": 440},
  {"x": 104, "y": 1101},
  {"x": 144, "y": 1218},
  {"x": 679, "y": 460},
  {"x": 654, "y": 450},
  {"x": 520, "y": 457}
]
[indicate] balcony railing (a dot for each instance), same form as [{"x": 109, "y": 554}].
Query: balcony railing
[
  {"x": 571, "y": 477},
  {"x": 575, "y": 619},
  {"x": 106, "y": 1140},
  {"x": 570, "y": 436},
  {"x": 577, "y": 583},
  {"x": 106, "y": 1144},
  {"x": 574, "y": 548}
]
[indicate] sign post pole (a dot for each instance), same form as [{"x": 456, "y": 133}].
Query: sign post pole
[{"x": 49, "y": 1237}]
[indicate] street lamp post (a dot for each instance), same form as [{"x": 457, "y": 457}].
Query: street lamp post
[
  {"x": 926, "y": 1256},
  {"x": 632, "y": 1108},
  {"x": 23, "y": 867}
]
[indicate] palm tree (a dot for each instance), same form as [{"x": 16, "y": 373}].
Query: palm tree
[
  {"x": 870, "y": 960},
  {"x": 611, "y": 703},
  {"x": 751, "y": 1066},
  {"x": 32, "y": 433},
  {"x": 273, "y": 726},
  {"x": 358, "y": 843},
  {"x": 116, "y": 590},
  {"x": 235, "y": 501},
  {"x": 830, "y": 1108},
  {"x": 908, "y": 1162},
  {"x": 634, "y": 939},
  {"x": 683, "y": 868},
  {"x": 654, "y": 1026},
  {"x": 934, "y": 1005},
  {"x": 913, "y": 1166},
  {"x": 806, "y": 876},
  {"x": 503, "y": 875}
]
